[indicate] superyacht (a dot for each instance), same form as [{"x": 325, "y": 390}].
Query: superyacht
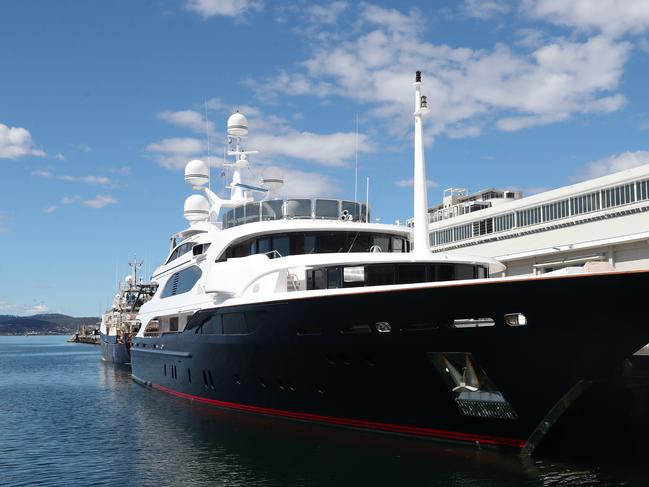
[{"x": 303, "y": 309}]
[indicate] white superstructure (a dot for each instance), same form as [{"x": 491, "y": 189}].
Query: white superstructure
[
  {"x": 279, "y": 249},
  {"x": 604, "y": 219}
]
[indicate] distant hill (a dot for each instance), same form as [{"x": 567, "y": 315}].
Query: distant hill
[{"x": 44, "y": 324}]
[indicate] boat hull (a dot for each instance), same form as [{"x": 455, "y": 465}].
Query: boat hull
[
  {"x": 331, "y": 359},
  {"x": 114, "y": 351}
]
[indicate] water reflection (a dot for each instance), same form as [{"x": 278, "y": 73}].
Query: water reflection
[{"x": 75, "y": 420}]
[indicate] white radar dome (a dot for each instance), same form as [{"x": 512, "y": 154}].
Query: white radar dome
[
  {"x": 197, "y": 208},
  {"x": 197, "y": 173},
  {"x": 237, "y": 125},
  {"x": 128, "y": 279},
  {"x": 272, "y": 178}
]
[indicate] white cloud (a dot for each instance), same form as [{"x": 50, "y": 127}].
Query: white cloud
[
  {"x": 307, "y": 184},
  {"x": 36, "y": 309},
  {"x": 96, "y": 180},
  {"x": 189, "y": 119},
  {"x": 68, "y": 200},
  {"x": 614, "y": 17},
  {"x": 409, "y": 183},
  {"x": 50, "y": 209},
  {"x": 274, "y": 137},
  {"x": 611, "y": 164},
  {"x": 511, "y": 124},
  {"x": 17, "y": 142},
  {"x": 326, "y": 13},
  {"x": 175, "y": 152},
  {"x": 484, "y": 9},
  {"x": 100, "y": 201},
  {"x": 227, "y": 8},
  {"x": 465, "y": 87}
]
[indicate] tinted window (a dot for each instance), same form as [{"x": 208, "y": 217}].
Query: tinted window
[
  {"x": 444, "y": 272},
  {"x": 464, "y": 271},
  {"x": 181, "y": 282},
  {"x": 327, "y": 209},
  {"x": 334, "y": 278},
  {"x": 234, "y": 324},
  {"x": 412, "y": 273},
  {"x": 212, "y": 326},
  {"x": 378, "y": 275},
  {"x": 382, "y": 243},
  {"x": 281, "y": 245}
]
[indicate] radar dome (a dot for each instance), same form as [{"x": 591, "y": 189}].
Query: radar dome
[
  {"x": 237, "y": 125},
  {"x": 197, "y": 208},
  {"x": 197, "y": 173},
  {"x": 128, "y": 279},
  {"x": 272, "y": 178}
]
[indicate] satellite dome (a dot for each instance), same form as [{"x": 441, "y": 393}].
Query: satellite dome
[
  {"x": 237, "y": 125},
  {"x": 128, "y": 279},
  {"x": 197, "y": 173},
  {"x": 197, "y": 208},
  {"x": 272, "y": 178}
]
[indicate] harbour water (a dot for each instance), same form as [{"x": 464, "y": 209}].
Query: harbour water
[{"x": 66, "y": 418}]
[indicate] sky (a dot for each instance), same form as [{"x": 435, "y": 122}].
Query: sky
[{"x": 103, "y": 103}]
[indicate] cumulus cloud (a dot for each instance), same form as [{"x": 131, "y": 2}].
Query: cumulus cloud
[
  {"x": 484, "y": 9},
  {"x": 613, "y": 17},
  {"x": 100, "y": 201},
  {"x": 189, "y": 119},
  {"x": 227, "y": 8},
  {"x": 611, "y": 164},
  {"x": 17, "y": 142},
  {"x": 465, "y": 87},
  {"x": 326, "y": 13},
  {"x": 174, "y": 153},
  {"x": 36, "y": 309},
  {"x": 91, "y": 179},
  {"x": 274, "y": 136},
  {"x": 50, "y": 209},
  {"x": 409, "y": 183},
  {"x": 306, "y": 184}
]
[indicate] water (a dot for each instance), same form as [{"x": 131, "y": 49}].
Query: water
[{"x": 66, "y": 418}]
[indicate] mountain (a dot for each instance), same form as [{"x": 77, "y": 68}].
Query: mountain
[{"x": 44, "y": 324}]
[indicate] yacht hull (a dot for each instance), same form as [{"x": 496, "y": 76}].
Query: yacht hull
[
  {"x": 114, "y": 351},
  {"x": 332, "y": 359}
]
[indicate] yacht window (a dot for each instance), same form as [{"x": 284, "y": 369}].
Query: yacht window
[
  {"x": 300, "y": 208},
  {"x": 181, "y": 250},
  {"x": 334, "y": 278},
  {"x": 234, "y": 324},
  {"x": 412, "y": 273},
  {"x": 253, "y": 247},
  {"x": 464, "y": 271},
  {"x": 281, "y": 245},
  {"x": 252, "y": 212},
  {"x": 397, "y": 244},
  {"x": 331, "y": 242},
  {"x": 327, "y": 209},
  {"x": 173, "y": 323},
  {"x": 271, "y": 210},
  {"x": 482, "y": 272},
  {"x": 444, "y": 272},
  {"x": 200, "y": 249},
  {"x": 213, "y": 326},
  {"x": 263, "y": 245},
  {"x": 379, "y": 274},
  {"x": 354, "y": 276},
  {"x": 382, "y": 243},
  {"x": 352, "y": 208},
  {"x": 239, "y": 215},
  {"x": 181, "y": 282},
  {"x": 309, "y": 244}
]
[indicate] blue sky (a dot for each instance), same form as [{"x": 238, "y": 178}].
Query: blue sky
[{"x": 102, "y": 104}]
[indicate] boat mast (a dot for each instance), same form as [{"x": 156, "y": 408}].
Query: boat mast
[{"x": 420, "y": 204}]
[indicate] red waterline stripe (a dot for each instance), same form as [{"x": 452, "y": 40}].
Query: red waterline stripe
[{"x": 357, "y": 423}]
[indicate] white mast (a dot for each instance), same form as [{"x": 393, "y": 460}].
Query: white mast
[{"x": 420, "y": 213}]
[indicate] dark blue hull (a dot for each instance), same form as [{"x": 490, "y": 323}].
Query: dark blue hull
[
  {"x": 380, "y": 360},
  {"x": 113, "y": 351}
]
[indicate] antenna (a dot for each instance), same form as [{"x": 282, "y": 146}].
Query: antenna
[
  {"x": 356, "y": 168},
  {"x": 207, "y": 134},
  {"x": 135, "y": 265},
  {"x": 367, "y": 200}
]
